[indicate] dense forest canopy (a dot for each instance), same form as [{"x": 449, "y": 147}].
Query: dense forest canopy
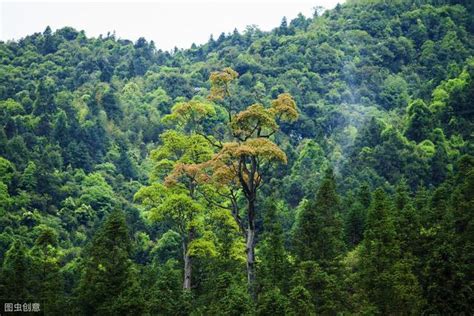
[{"x": 324, "y": 167}]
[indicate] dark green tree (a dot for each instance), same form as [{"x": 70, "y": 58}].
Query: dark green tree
[
  {"x": 356, "y": 216},
  {"x": 275, "y": 267},
  {"x": 386, "y": 278},
  {"x": 420, "y": 122},
  {"x": 300, "y": 302},
  {"x": 319, "y": 229},
  {"x": 272, "y": 302},
  {"x": 46, "y": 278},
  {"x": 446, "y": 241},
  {"x": 15, "y": 282},
  {"x": 108, "y": 284},
  {"x": 44, "y": 102}
]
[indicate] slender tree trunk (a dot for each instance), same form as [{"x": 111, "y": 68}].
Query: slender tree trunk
[
  {"x": 187, "y": 268},
  {"x": 250, "y": 248}
]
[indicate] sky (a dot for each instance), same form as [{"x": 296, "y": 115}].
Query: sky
[{"x": 168, "y": 23}]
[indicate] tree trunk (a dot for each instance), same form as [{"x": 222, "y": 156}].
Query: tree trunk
[
  {"x": 187, "y": 268},
  {"x": 250, "y": 248}
]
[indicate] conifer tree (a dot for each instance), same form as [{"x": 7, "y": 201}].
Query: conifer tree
[
  {"x": 108, "y": 284},
  {"x": 406, "y": 221},
  {"x": 272, "y": 302},
  {"x": 318, "y": 242},
  {"x": 386, "y": 278},
  {"x": 463, "y": 213},
  {"x": 14, "y": 281},
  {"x": 319, "y": 235},
  {"x": 356, "y": 216},
  {"x": 300, "y": 302},
  {"x": 46, "y": 277},
  {"x": 447, "y": 244},
  {"x": 439, "y": 277},
  {"x": 275, "y": 267}
]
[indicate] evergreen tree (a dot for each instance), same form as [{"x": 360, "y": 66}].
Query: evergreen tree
[
  {"x": 49, "y": 43},
  {"x": 439, "y": 278},
  {"x": 326, "y": 287},
  {"x": 318, "y": 235},
  {"x": 420, "y": 123},
  {"x": 234, "y": 298},
  {"x": 463, "y": 213},
  {"x": 28, "y": 180},
  {"x": 446, "y": 241},
  {"x": 44, "y": 103},
  {"x": 318, "y": 242},
  {"x": 275, "y": 267},
  {"x": 46, "y": 277},
  {"x": 14, "y": 281},
  {"x": 440, "y": 159},
  {"x": 385, "y": 277},
  {"x": 272, "y": 302},
  {"x": 300, "y": 302},
  {"x": 407, "y": 221},
  {"x": 356, "y": 216},
  {"x": 283, "y": 29},
  {"x": 108, "y": 284},
  {"x": 61, "y": 129},
  {"x": 164, "y": 295}
]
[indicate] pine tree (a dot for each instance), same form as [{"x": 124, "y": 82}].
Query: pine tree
[
  {"x": 283, "y": 29},
  {"x": 44, "y": 103},
  {"x": 275, "y": 267},
  {"x": 385, "y": 277},
  {"x": 272, "y": 302},
  {"x": 108, "y": 285},
  {"x": 60, "y": 131},
  {"x": 318, "y": 242},
  {"x": 440, "y": 160},
  {"x": 356, "y": 216},
  {"x": 463, "y": 211},
  {"x": 326, "y": 287},
  {"x": 300, "y": 302},
  {"x": 439, "y": 277},
  {"x": 447, "y": 244},
  {"x": 14, "y": 281},
  {"x": 28, "y": 180},
  {"x": 163, "y": 296},
  {"x": 46, "y": 277},
  {"x": 319, "y": 235},
  {"x": 407, "y": 221}
]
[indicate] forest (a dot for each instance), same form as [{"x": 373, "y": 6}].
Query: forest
[{"x": 325, "y": 167}]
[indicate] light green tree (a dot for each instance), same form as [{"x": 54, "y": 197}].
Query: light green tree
[
  {"x": 173, "y": 194},
  {"x": 243, "y": 149}
]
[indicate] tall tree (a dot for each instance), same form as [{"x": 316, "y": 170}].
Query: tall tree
[
  {"x": 275, "y": 267},
  {"x": 173, "y": 195},
  {"x": 108, "y": 285},
  {"x": 244, "y": 149},
  {"x": 15, "y": 280},
  {"x": 463, "y": 209},
  {"x": 386, "y": 277},
  {"x": 318, "y": 242},
  {"x": 319, "y": 233},
  {"x": 46, "y": 277},
  {"x": 447, "y": 243},
  {"x": 356, "y": 216}
]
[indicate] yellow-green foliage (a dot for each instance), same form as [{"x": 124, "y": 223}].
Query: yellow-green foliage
[{"x": 427, "y": 148}]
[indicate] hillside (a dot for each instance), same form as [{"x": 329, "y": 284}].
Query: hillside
[{"x": 323, "y": 167}]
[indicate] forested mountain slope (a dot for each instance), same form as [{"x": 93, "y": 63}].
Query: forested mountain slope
[{"x": 112, "y": 156}]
